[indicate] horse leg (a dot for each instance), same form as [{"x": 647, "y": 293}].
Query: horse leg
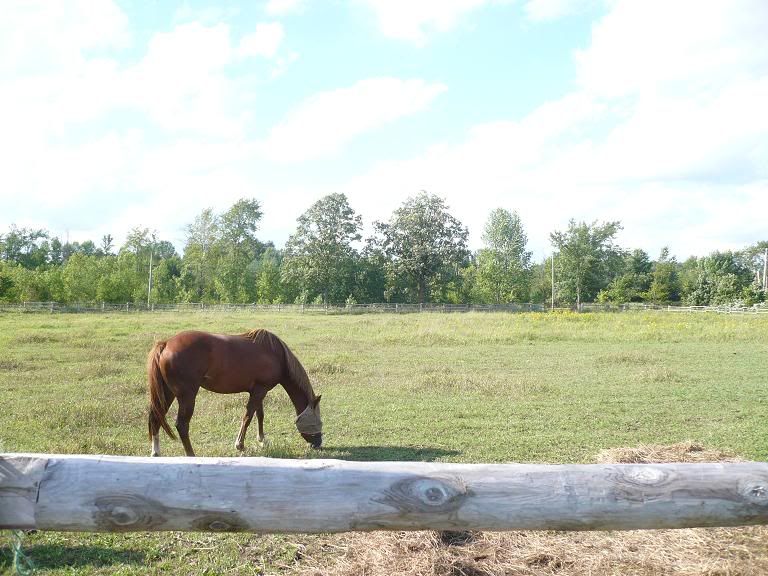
[
  {"x": 260, "y": 421},
  {"x": 255, "y": 404},
  {"x": 154, "y": 423},
  {"x": 186, "y": 409}
]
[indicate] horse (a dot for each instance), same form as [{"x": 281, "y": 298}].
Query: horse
[{"x": 254, "y": 362}]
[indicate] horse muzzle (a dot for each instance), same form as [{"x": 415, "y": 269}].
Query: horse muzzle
[{"x": 316, "y": 441}]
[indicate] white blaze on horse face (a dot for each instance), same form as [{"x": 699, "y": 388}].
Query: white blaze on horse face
[{"x": 156, "y": 445}]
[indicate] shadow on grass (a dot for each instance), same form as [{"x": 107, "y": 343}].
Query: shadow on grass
[
  {"x": 46, "y": 556},
  {"x": 402, "y": 453}
]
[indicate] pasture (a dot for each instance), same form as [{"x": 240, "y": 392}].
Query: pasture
[{"x": 457, "y": 388}]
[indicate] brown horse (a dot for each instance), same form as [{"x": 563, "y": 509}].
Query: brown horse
[{"x": 254, "y": 362}]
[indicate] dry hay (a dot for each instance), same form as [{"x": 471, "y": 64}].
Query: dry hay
[
  {"x": 685, "y": 552},
  {"x": 653, "y": 453}
]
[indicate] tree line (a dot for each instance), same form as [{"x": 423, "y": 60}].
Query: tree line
[{"x": 418, "y": 255}]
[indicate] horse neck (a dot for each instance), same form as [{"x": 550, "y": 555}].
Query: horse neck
[
  {"x": 297, "y": 395},
  {"x": 296, "y": 382}
]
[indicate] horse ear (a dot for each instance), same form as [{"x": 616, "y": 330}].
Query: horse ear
[{"x": 316, "y": 401}]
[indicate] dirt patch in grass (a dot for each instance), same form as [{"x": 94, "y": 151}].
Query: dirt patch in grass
[
  {"x": 11, "y": 366},
  {"x": 686, "y": 552},
  {"x": 37, "y": 339}
]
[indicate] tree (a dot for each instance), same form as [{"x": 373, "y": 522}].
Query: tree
[
  {"x": 107, "y": 243},
  {"x": 81, "y": 278},
  {"x": 319, "y": 257},
  {"x": 504, "y": 265},
  {"x": 238, "y": 249},
  {"x": 165, "y": 276},
  {"x": 754, "y": 258},
  {"x": 720, "y": 278},
  {"x": 423, "y": 247},
  {"x": 24, "y": 246},
  {"x": 200, "y": 257},
  {"x": 239, "y": 225},
  {"x": 633, "y": 282},
  {"x": 55, "y": 252},
  {"x": 541, "y": 282},
  {"x": 665, "y": 280},
  {"x": 267, "y": 277},
  {"x": 587, "y": 259}
]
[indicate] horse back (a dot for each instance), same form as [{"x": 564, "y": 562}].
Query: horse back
[{"x": 221, "y": 363}]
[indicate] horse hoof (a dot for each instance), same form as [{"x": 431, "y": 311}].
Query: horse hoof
[
  {"x": 240, "y": 447},
  {"x": 264, "y": 442},
  {"x": 155, "y": 454}
]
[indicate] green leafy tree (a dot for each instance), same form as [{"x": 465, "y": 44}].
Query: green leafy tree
[
  {"x": 118, "y": 281},
  {"x": 24, "y": 246},
  {"x": 423, "y": 247},
  {"x": 238, "y": 248},
  {"x": 632, "y": 283},
  {"x": 7, "y": 285},
  {"x": 665, "y": 280},
  {"x": 720, "y": 279},
  {"x": 81, "y": 277},
  {"x": 319, "y": 257},
  {"x": 55, "y": 254},
  {"x": 370, "y": 275},
  {"x": 19, "y": 284},
  {"x": 541, "y": 282},
  {"x": 201, "y": 256},
  {"x": 267, "y": 278},
  {"x": 165, "y": 277},
  {"x": 107, "y": 244},
  {"x": 504, "y": 265},
  {"x": 587, "y": 259}
]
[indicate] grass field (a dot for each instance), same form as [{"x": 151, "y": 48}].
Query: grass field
[{"x": 462, "y": 388}]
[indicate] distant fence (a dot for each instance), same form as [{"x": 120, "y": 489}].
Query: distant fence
[
  {"x": 105, "y": 307},
  {"x": 267, "y": 495}
]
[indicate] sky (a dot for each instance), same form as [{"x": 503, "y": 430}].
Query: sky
[{"x": 124, "y": 114}]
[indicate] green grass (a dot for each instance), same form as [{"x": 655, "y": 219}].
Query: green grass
[{"x": 460, "y": 388}]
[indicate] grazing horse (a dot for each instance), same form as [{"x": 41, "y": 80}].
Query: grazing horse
[{"x": 254, "y": 362}]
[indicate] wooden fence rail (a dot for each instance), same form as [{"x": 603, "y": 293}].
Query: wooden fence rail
[
  {"x": 379, "y": 308},
  {"x": 117, "y": 494}
]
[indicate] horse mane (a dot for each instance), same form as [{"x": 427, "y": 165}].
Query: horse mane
[{"x": 296, "y": 371}]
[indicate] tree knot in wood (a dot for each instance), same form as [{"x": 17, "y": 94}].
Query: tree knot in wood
[
  {"x": 127, "y": 512},
  {"x": 755, "y": 492},
  {"x": 220, "y": 522},
  {"x": 425, "y": 494}
]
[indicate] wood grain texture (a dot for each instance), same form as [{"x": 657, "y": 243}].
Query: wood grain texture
[{"x": 114, "y": 494}]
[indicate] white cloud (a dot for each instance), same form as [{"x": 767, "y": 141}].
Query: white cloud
[
  {"x": 684, "y": 46},
  {"x": 323, "y": 123},
  {"x": 263, "y": 42},
  {"x": 412, "y": 20},
  {"x": 283, "y": 7},
  {"x": 667, "y": 132},
  {"x": 543, "y": 10},
  {"x": 39, "y": 37},
  {"x": 182, "y": 84}
]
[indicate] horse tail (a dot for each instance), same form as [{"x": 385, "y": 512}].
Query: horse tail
[{"x": 157, "y": 390}]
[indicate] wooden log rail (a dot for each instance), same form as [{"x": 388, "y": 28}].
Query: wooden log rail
[{"x": 121, "y": 494}]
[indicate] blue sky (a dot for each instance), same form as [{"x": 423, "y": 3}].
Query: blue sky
[{"x": 124, "y": 114}]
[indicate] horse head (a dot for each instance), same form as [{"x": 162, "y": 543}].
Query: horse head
[{"x": 310, "y": 425}]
